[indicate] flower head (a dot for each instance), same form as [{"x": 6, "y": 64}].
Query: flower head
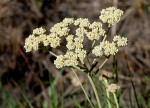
[
  {"x": 59, "y": 62},
  {"x": 70, "y": 43},
  {"x": 121, "y": 41},
  {"x": 105, "y": 49},
  {"x": 111, "y": 15},
  {"x": 70, "y": 59},
  {"x": 75, "y": 42},
  {"x": 82, "y": 22},
  {"x": 31, "y": 43},
  {"x": 112, "y": 88},
  {"x": 96, "y": 31},
  {"x": 39, "y": 31},
  {"x": 68, "y": 21},
  {"x": 81, "y": 53},
  {"x": 53, "y": 40},
  {"x": 97, "y": 51}
]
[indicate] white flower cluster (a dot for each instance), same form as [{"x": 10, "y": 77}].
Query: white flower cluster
[
  {"x": 106, "y": 48},
  {"x": 110, "y": 15},
  {"x": 112, "y": 88},
  {"x": 59, "y": 30},
  {"x": 121, "y": 41},
  {"x": 69, "y": 59},
  {"x": 75, "y": 49},
  {"x": 82, "y": 22},
  {"x": 53, "y": 39},
  {"x": 32, "y": 42},
  {"x": 74, "y": 46},
  {"x": 96, "y": 31}
]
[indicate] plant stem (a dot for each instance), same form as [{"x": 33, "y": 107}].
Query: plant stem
[
  {"x": 95, "y": 91},
  {"x": 78, "y": 68},
  {"x": 104, "y": 38},
  {"x": 103, "y": 63},
  {"x": 107, "y": 93},
  {"x": 93, "y": 43},
  {"x": 94, "y": 61},
  {"x": 83, "y": 88},
  {"x": 106, "y": 34},
  {"x": 101, "y": 66},
  {"x": 52, "y": 53},
  {"x": 116, "y": 101}
]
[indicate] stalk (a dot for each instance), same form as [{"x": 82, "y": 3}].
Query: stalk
[
  {"x": 95, "y": 91},
  {"x": 83, "y": 88},
  {"x": 116, "y": 101}
]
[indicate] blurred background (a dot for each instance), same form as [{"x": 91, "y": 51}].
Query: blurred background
[{"x": 25, "y": 78}]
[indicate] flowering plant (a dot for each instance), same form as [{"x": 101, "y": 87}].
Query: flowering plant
[{"x": 76, "y": 53}]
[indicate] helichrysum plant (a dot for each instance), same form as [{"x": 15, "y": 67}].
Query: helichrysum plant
[{"x": 75, "y": 32}]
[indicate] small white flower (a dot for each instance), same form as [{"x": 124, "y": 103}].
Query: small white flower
[
  {"x": 59, "y": 62},
  {"x": 97, "y": 51},
  {"x": 121, "y": 41},
  {"x": 81, "y": 54},
  {"x": 105, "y": 48},
  {"x": 82, "y": 22},
  {"x": 78, "y": 42},
  {"x": 111, "y": 15},
  {"x": 68, "y": 21},
  {"x": 53, "y": 40},
  {"x": 81, "y": 31},
  {"x": 31, "y": 43},
  {"x": 112, "y": 88},
  {"x": 39, "y": 31},
  {"x": 96, "y": 31},
  {"x": 70, "y": 45},
  {"x": 70, "y": 59}
]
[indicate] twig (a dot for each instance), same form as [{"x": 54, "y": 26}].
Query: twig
[{"x": 34, "y": 75}]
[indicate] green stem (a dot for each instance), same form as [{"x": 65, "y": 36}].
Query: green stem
[
  {"x": 52, "y": 53},
  {"x": 88, "y": 61},
  {"x": 107, "y": 93},
  {"x": 106, "y": 34},
  {"x": 101, "y": 66},
  {"x": 94, "y": 61},
  {"x": 78, "y": 68},
  {"x": 103, "y": 63},
  {"x": 83, "y": 89},
  {"x": 116, "y": 101},
  {"x": 90, "y": 51},
  {"x": 93, "y": 43},
  {"x": 104, "y": 38},
  {"x": 95, "y": 91}
]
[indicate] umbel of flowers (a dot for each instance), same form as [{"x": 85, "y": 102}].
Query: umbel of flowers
[{"x": 83, "y": 28}]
